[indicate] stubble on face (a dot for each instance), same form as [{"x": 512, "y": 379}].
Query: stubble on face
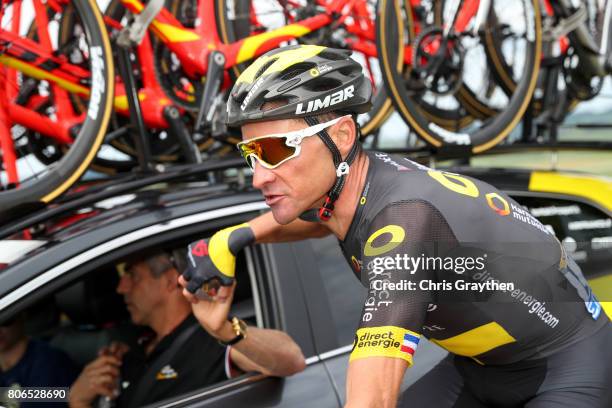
[
  {"x": 300, "y": 183},
  {"x": 142, "y": 295}
]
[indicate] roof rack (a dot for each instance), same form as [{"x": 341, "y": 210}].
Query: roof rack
[
  {"x": 450, "y": 152},
  {"x": 113, "y": 188}
]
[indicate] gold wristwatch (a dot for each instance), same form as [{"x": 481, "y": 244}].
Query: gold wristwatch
[{"x": 240, "y": 328}]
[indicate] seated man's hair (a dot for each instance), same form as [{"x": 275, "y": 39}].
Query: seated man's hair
[
  {"x": 158, "y": 261},
  {"x": 159, "y": 264}
]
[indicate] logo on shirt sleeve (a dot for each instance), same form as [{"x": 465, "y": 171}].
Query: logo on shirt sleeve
[{"x": 385, "y": 341}]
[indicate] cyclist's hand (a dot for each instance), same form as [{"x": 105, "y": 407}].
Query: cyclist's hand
[
  {"x": 212, "y": 313},
  {"x": 212, "y": 262}
]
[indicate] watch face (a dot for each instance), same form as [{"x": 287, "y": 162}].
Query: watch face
[
  {"x": 243, "y": 326},
  {"x": 239, "y": 326}
]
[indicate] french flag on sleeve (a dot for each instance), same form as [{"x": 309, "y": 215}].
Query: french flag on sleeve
[{"x": 410, "y": 343}]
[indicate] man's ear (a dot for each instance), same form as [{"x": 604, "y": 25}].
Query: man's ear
[
  {"x": 344, "y": 135},
  {"x": 171, "y": 280}
]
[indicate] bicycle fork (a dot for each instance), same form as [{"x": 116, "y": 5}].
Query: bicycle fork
[{"x": 484, "y": 6}]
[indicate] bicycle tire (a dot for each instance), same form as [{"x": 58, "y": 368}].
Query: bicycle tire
[
  {"x": 390, "y": 29},
  {"x": 230, "y": 31},
  {"x": 502, "y": 70},
  {"x": 90, "y": 136}
]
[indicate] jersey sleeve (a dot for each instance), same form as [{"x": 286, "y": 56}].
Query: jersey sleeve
[{"x": 399, "y": 240}]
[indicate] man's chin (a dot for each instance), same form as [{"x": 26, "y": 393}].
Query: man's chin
[
  {"x": 137, "y": 320},
  {"x": 284, "y": 217}
]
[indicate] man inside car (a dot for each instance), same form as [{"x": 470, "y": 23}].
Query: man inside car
[
  {"x": 27, "y": 362},
  {"x": 155, "y": 369}
]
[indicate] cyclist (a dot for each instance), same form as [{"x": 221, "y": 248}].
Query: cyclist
[{"x": 416, "y": 238}]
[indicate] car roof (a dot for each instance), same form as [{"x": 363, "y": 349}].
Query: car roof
[
  {"x": 97, "y": 212},
  {"x": 594, "y": 189}
]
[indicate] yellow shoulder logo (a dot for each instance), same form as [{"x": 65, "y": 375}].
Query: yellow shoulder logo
[{"x": 396, "y": 237}]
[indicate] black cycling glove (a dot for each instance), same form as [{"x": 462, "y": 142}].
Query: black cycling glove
[{"x": 212, "y": 261}]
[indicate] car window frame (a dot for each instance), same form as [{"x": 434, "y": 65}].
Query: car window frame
[{"x": 50, "y": 280}]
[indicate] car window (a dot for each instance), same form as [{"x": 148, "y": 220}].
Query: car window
[
  {"x": 72, "y": 324},
  {"x": 585, "y": 231},
  {"x": 343, "y": 289}
]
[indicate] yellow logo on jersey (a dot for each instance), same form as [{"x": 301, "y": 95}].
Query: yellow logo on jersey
[
  {"x": 397, "y": 235},
  {"x": 166, "y": 373},
  {"x": 501, "y": 211}
]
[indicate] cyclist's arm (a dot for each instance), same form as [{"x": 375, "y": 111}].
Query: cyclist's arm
[
  {"x": 374, "y": 382},
  {"x": 392, "y": 319},
  {"x": 266, "y": 229}
]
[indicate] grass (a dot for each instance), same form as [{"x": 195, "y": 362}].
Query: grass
[{"x": 595, "y": 162}]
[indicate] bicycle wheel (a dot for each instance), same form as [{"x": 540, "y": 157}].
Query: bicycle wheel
[
  {"x": 559, "y": 51},
  {"x": 240, "y": 19},
  {"x": 57, "y": 74},
  {"x": 448, "y": 73}
]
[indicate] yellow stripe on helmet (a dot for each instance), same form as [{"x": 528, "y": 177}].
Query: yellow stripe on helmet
[{"x": 283, "y": 59}]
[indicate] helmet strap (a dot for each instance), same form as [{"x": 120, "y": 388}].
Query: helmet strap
[{"x": 325, "y": 212}]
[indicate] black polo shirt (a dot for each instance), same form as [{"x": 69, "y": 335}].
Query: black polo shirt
[{"x": 201, "y": 361}]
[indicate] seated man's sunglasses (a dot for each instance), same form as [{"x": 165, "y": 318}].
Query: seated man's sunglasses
[{"x": 273, "y": 150}]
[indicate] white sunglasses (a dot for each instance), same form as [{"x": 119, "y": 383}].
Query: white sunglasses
[{"x": 273, "y": 150}]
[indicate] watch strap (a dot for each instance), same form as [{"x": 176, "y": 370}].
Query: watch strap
[{"x": 237, "y": 325}]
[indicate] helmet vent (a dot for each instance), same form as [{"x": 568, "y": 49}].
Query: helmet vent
[
  {"x": 297, "y": 69},
  {"x": 334, "y": 56},
  {"x": 265, "y": 67},
  {"x": 287, "y": 85},
  {"x": 348, "y": 71},
  {"x": 323, "y": 84}
]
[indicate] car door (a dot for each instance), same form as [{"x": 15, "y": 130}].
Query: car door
[
  {"x": 585, "y": 230},
  {"x": 279, "y": 302}
]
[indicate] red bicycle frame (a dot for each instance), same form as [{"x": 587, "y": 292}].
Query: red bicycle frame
[{"x": 191, "y": 46}]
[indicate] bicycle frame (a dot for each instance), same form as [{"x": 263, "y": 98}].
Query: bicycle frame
[
  {"x": 595, "y": 56},
  {"x": 467, "y": 10},
  {"x": 192, "y": 46},
  {"x": 479, "y": 9}
]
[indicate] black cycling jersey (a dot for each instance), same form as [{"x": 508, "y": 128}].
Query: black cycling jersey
[{"x": 454, "y": 259}]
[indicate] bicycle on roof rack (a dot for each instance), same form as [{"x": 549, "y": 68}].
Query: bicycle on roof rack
[
  {"x": 57, "y": 75},
  {"x": 480, "y": 66}
]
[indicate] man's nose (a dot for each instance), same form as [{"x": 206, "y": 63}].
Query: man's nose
[
  {"x": 261, "y": 175},
  {"x": 124, "y": 285}
]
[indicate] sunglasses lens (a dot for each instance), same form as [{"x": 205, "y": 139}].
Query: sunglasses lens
[{"x": 271, "y": 150}]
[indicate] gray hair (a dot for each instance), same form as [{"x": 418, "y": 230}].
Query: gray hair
[
  {"x": 159, "y": 264},
  {"x": 164, "y": 261}
]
